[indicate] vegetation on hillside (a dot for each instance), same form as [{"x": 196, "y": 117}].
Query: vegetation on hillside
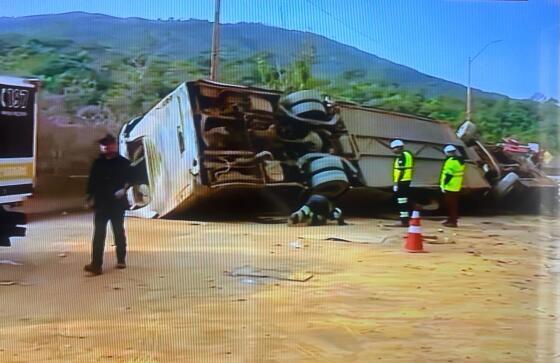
[{"x": 122, "y": 86}]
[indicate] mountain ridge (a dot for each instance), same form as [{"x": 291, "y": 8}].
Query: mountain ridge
[{"x": 165, "y": 38}]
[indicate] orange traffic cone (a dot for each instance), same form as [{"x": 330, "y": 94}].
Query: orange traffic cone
[{"x": 413, "y": 242}]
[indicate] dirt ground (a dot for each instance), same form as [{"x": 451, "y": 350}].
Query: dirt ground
[{"x": 257, "y": 292}]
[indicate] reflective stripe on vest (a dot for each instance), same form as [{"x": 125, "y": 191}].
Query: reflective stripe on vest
[
  {"x": 456, "y": 169},
  {"x": 406, "y": 168}
]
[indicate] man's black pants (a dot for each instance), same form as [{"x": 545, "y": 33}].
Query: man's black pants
[
  {"x": 403, "y": 201},
  {"x": 102, "y": 217}
]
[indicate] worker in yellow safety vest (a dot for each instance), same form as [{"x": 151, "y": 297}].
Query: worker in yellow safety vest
[
  {"x": 451, "y": 182},
  {"x": 403, "y": 168}
]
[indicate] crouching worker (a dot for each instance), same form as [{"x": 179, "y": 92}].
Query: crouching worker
[{"x": 316, "y": 212}]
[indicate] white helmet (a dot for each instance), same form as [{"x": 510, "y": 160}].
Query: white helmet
[
  {"x": 448, "y": 149},
  {"x": 396, "y": 143}
]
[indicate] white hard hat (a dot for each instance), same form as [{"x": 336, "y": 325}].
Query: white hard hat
[
  {"x": 449, "y": 149},
  {"x": 396, "y": 143}
]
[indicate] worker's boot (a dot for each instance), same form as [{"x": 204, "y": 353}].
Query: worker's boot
[
  {"x": 94, "y": 270},
  {"x": 302, "y": 215},
  {"x": 293, "y": 219},
  {"x": 338, "y": 216}
]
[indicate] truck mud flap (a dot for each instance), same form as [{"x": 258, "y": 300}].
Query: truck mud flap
[{"x": 9, "y": 222}]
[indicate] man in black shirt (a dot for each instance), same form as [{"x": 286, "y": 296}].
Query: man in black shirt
[{"x": 109, "y": 178}]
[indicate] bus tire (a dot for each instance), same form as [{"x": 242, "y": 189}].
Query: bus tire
[
  {"x": 324, "y": 164},
  {"x": 506, "y": 185},
  {"x": 302, "y": 96},
  {"x": 310, "y": 109}
]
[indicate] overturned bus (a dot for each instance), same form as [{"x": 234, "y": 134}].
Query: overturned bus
[{"x": 208, "y": 145}]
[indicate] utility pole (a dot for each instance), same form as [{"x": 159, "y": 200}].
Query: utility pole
[
  {"x": 215, "y": 44},
  {"x": 469, "y": 90}
]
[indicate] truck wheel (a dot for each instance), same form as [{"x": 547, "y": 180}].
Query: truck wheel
[
  {"x": 329, "y": 183},
  {"x": 467, "y": 132},
  {"x": 302, "y": 96},
  {"x": 307, "y": 158},
  {"x": 506, "y": 185},
  {"x": 324, "y": 164}
]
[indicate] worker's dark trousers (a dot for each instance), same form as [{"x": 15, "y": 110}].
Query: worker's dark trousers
[
  {"x": 102, "y": 216},
  {"x": 452, "y": 205},
  {"x": 319, "y": 205},
  {"x": 403, "y": 201}
]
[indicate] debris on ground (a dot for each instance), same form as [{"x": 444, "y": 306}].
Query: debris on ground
[
  {"x": 348, "y": 238},
  {"x": 507, "y": 262},
  {"x": 266, "y": 273},
  {"x": 248, "y": 281},
  {"x": 474, "y": 252},
  {"x": 269, "y": 220},
  {"x": 10, "y": 262},
  {"x": 12, "y": 283},
  {"x": 296, "y": 244},
  {"x": 472, "y": 236},
  {"x": 391, "y": 239},
  {"x": 434, "y": 240},
  {"x": 196, "y": 223}
]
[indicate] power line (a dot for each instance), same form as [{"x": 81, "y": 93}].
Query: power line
[{"x": 341, "y": 21}]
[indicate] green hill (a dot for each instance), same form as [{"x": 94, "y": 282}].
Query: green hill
[{"x": 182, "y": 40}]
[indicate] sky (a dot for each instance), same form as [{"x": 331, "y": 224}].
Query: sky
[{"x": 436, "y": 37}]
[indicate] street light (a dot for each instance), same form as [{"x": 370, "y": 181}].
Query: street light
[{"x": 471, "y": 60}]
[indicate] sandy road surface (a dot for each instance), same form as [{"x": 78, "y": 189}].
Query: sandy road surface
[{"x": 486, "y": 294}]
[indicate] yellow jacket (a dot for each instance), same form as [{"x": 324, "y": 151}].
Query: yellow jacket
[{"x": 452, "y": 174}]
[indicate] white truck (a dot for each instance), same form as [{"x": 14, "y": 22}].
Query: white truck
[{"x": 18, "y": 147}]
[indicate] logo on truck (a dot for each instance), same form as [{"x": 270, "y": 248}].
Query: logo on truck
[{"x": 14, "y": 99}]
